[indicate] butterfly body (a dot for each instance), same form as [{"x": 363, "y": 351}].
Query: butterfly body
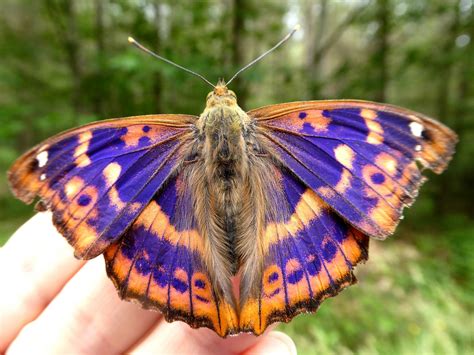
[
  {"x": 285, "y": 197},
  {"x": 228, "y": 190}
]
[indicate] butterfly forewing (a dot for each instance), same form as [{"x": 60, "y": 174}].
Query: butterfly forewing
[
  {"x": 97, "y": 179},
  {"x": 363, "y": 159}
]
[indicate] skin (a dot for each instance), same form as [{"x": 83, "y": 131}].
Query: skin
[{"x": 55, "y": 304}]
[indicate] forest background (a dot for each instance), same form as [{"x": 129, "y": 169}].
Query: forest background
[{"x": 64, "y": 63}]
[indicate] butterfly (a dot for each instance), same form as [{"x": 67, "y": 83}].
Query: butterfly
[{"x": 284, "y": 198}]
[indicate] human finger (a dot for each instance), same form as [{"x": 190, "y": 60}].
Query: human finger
[
  {"x": 275, "y": 343},
  {"x": 178, "y": 337},
  {"x": 87, "y": 316},
  {"x": 35, "y": 264}
]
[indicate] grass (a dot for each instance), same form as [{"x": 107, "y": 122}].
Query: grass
[
  {"x": 13, "y": 213},
  {"x": 7, "y": 227},
  {"x": 414, "y": 297}
]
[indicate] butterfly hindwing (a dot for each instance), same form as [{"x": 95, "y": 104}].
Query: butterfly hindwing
[
  {"x": 361, "y": 158},
  {"x": 96, "y": 179},
  {"x": 309, "y": 254},
  {"x": 160, "y": 263}
]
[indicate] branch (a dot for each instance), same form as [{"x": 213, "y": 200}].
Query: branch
[{"x": 338, "y": 31}]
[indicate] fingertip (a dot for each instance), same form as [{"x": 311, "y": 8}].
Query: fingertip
[
  {"x": 285, "y": 339},
  {"x": 274, "y": 342}
]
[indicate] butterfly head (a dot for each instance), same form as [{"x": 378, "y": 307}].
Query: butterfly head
[{"x": 221, "y": 96}]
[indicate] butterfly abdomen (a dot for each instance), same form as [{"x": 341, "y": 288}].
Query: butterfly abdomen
[{"x": 217, "y": 188}]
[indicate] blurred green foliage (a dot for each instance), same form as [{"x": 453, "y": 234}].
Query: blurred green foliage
[{"x": 65, "y": 63}]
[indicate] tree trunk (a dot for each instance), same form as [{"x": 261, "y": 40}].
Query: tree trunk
[
  {"x": 450, "y": 115},
  {"x": 100, "y": 93},
  {"x": 446, "y": 66},
  {"x": 63, "y": 16},
  {"x": 157, "y": 80},
  {"x": 465, "y": 89},
  {"x": 381, "y": 51},
  {"x": 238, "y": 49},
  {"x": 320, "y": 49},
  {"x": 72, "y": 47},
  {"x": 315, "y": 23},
  {"x": 463, "y": 118}
]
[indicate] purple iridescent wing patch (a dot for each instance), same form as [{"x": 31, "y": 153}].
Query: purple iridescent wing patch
[
  {"x": 160, "y": 263},
  {"x": 98, "y": 178},
  {"x": 363, "y": 159},
  {"x": 308, "y": 255}
]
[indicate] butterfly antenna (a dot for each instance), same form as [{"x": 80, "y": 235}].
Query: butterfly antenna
[
  {"x": 146, "y": 50},
  {"x": 261, "y": 56}
]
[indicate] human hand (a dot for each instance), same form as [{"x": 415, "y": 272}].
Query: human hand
[{"x": 52, "y": 303}]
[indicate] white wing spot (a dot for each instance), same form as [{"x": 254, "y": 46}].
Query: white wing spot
[
  {"x": 418, "y": 148},
  {"x": 43, "y": 177},
  {"x": 416, "y": 129},
  {"x": 42, "y": 158}
]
